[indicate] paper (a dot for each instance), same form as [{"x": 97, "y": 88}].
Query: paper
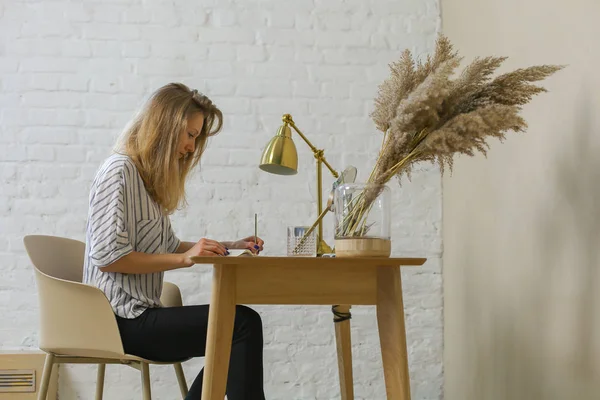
[{"x": 240, "y": 252}]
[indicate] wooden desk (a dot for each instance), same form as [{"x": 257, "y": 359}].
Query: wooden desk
[{"x": 309, "y": 280}]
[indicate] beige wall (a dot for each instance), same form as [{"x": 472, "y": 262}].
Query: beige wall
[{"x": 522, "y": 227}]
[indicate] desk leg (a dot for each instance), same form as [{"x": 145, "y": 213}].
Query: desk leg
[
  {"x": 392, "y": 334},
  {"x": 344, "y": 352},
  {"x": 220, "y": 332}
]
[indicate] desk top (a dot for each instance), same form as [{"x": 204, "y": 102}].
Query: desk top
[{"x": 310, "y": 261}]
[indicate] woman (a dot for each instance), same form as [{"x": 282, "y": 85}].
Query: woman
[{"x": 130, "y": 241}]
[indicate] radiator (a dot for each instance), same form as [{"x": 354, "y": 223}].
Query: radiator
[{"x": 21, "y": 375}]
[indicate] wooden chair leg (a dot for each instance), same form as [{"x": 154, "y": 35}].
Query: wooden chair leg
[
  {"x": 100, "y": 381},
  {"x": 48, "y": 364},
  {"x": 145, "y": 368},
  {"x": 181, "y": 379},
  {"x": 344, "y": 352}
]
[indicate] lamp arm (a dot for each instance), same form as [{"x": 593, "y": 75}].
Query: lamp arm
[
  {"x": 322, "y": 247},
  {"x": 319, "y": 154}
]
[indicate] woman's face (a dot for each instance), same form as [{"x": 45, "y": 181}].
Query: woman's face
[{"x": 187, "y": 138}]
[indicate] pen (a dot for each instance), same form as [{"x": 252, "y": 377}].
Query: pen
[{"x": 255, "y": 228}]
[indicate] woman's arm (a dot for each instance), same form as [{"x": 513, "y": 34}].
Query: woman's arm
[
  {"x": 246, "y": 243},
  {"x": 144, "y": 263},
  {"x": 185, "y": 246},
  {"x": 219, "y": 248}
]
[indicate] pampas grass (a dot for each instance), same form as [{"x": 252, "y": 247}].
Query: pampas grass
[{"x": 427, "y": 114}]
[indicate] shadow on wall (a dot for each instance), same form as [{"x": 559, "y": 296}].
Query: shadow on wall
[{"x": 538, "y": 336}]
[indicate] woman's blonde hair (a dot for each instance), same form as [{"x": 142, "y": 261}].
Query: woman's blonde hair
[{"x": 152, "y": 141}]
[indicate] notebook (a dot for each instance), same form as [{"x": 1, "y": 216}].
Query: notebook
[{"x": 240, "y": 252}]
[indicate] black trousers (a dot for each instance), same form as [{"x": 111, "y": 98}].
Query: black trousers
[{"x": 176, "y": 333}]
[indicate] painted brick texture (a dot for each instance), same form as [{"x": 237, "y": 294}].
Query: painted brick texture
[{"x": 73, "y": 73}]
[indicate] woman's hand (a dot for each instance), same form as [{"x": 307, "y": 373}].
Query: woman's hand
[
  {"x": 207, "y": 248},
  {"x": 248, "y": 243}
]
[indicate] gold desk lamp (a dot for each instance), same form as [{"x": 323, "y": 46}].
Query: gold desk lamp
[{"x": 280, "y": 157}]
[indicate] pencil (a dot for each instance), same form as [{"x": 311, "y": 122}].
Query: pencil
[{"x": 255, "y": 228}]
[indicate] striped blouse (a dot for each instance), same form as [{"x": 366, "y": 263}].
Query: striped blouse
[{"x": 123, "y": 218}]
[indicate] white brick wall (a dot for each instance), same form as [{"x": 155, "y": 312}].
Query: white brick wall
[{"x": 72, "y": 73}]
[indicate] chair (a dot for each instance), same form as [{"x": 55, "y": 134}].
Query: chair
[{"x": 77, "y": 323}]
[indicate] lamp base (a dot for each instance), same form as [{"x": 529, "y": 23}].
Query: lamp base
[{"x": 323, "y": 248}]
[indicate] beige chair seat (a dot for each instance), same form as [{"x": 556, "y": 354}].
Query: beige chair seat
[{"x": 77, "y": 323}]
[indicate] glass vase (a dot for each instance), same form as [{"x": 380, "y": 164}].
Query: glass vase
[{"x": 362, "y": 220}]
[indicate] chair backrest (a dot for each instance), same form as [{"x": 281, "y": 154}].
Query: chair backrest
[
  {"x": 171, "y": 295},
  {"x": 57, "y": 257},
  {"x": 75, "y": 319}
]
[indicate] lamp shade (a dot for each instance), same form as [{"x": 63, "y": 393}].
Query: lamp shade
[{"x": 280, "y": 156}]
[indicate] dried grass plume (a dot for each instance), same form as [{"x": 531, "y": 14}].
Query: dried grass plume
[
  {"x": 428, "y": 115},
  {"x": 427, "y": 112}
]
